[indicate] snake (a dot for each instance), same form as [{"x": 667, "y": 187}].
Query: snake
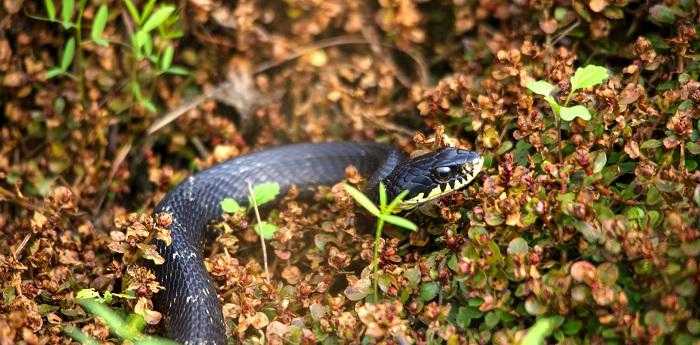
[{"x": 191, "y": 309}]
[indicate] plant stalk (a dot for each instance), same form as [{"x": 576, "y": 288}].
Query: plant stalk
[{"x": 375, "y": 257}]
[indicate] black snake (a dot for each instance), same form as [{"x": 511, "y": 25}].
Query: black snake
[{"x": 189, "y": 301}]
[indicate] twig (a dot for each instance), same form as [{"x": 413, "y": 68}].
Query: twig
[
  {"x": 118, "y": 160},
  {"x": 262, "y": 238},
  {"x": 566, "y": 32},
  {"x": 20, "y": 247},
  {"x": 11, "y": 197}
]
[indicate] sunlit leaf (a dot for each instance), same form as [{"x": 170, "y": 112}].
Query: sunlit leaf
[
  {"x": 382, "y": 195},
  {"x": 542, "y": 328},
  {"x": 588, "y": 76},
  {"x": 132, "y": 11},
  {"x": 570, "y": 113},
  {"x": 229, "y": 205},
  {"x": 50, "y": 9},
  {"x": 147, "y": 9},
  {"x": 650, "y": 144},
  {"x": 541, "y": 88},
  {"x": 397, "y": 200},
  {"x": 98, "y": 26},
  {"x": 362, "y": 199},
  {"x": 167, "y": 58},
  {"x": 178, "y": 70},
  {"x": 67, "y": 7},
  {"x": 599, "y": 162},
  {"x": 157, "y": 18},
  {"x": 53, "y": 72},
  {"x": 266, "y": 192},
  {"x": 87, "y": 293},
  {"x": 266, "y": 230},
  {"x": 68, "y": 53},
  {"x": 399, "y": 221}
]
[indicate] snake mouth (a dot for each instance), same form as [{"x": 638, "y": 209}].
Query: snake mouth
[{"x": 469, "y": 171}]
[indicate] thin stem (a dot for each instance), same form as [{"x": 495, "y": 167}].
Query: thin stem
[
  {"x": 80, "y": 55},
  {"x": 568, "y": 98},
  {"x": 262, "y": 238},
  {"x": 375, "y": 258}
]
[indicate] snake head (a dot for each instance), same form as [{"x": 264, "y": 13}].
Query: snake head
[{"x": 433, "y": 175}]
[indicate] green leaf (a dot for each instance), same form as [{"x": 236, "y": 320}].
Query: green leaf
[
  {"x": 178, "y": 70},
  {"x": 362, "y": 199},
  {"x": 79, "y": 336},
  {"x": 570, "y": 113},
  {"x": 429, "y": 290},
  {"x": 599, "y": 162},
  {"x": 148, "y": 8},
  {"x": 395, "y": 203},
  {"x": 399, "y": 221},
  {"x": 167, "y": 58},
  {"x": 98, "y": 26},
  {"x": 229, "y": 205},
  {"x": 107, "y": 297},
  {"x": 68, "y": 53},
  {"x": 50, "y": 9},
  {"x": 266, "y": 230},
  {"x": 67, "y": 7},
  {"x": 492, "y": 319},
  {"x": 650, "y": 144},
  {"x": 587, "y": 76},
  {"x": 693, "y": 148},
  {"x": 518, "y": 246},
  {"x": 87, "y": 293},
  {"x": 571, "y": 327},
  {"x": 540, "y": 330},
  {"x": 157, "y": 18},
  {"x": 662, "y": 14},
  {"x": 556, "y": 108},
  {"x": 265, "y": 192},
  {"x": 108, "y": 315},
  {"x": 149, "y": 105},
  {"x": 382, "y": 195},
  {"x": 54, "y": 72},
  {"x": 132, "y": 11},
  {"x": 541, "y": 88}
]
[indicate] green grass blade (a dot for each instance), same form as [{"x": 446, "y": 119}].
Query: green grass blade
[
  {"x": 167, "y": 59},
  {"x": 80, "y": 336},
  {"x": 67, "y": 7},
  {"x": 98, "y": 25},
  {"x": 157, "y": 18},
  {"x": 50, "y": 9},
  {"x": 382, "y": 195},
  {"x": 148, "y": 9},
  {"x": 133, "y": 12},
  {"x": 362, "y": 199},
  {"x": 400, "y": 221},
  {"x": 397, "y": 200},
  {"x": 68, "y": 53}
]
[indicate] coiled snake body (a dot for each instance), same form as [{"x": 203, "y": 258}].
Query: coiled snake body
[{"x": 189, "y": 301}]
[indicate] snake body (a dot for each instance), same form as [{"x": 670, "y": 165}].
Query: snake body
[{"x": 189, "y": 301}]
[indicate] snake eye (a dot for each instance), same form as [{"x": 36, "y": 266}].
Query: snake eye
[{"x": 442, "y": 173}]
